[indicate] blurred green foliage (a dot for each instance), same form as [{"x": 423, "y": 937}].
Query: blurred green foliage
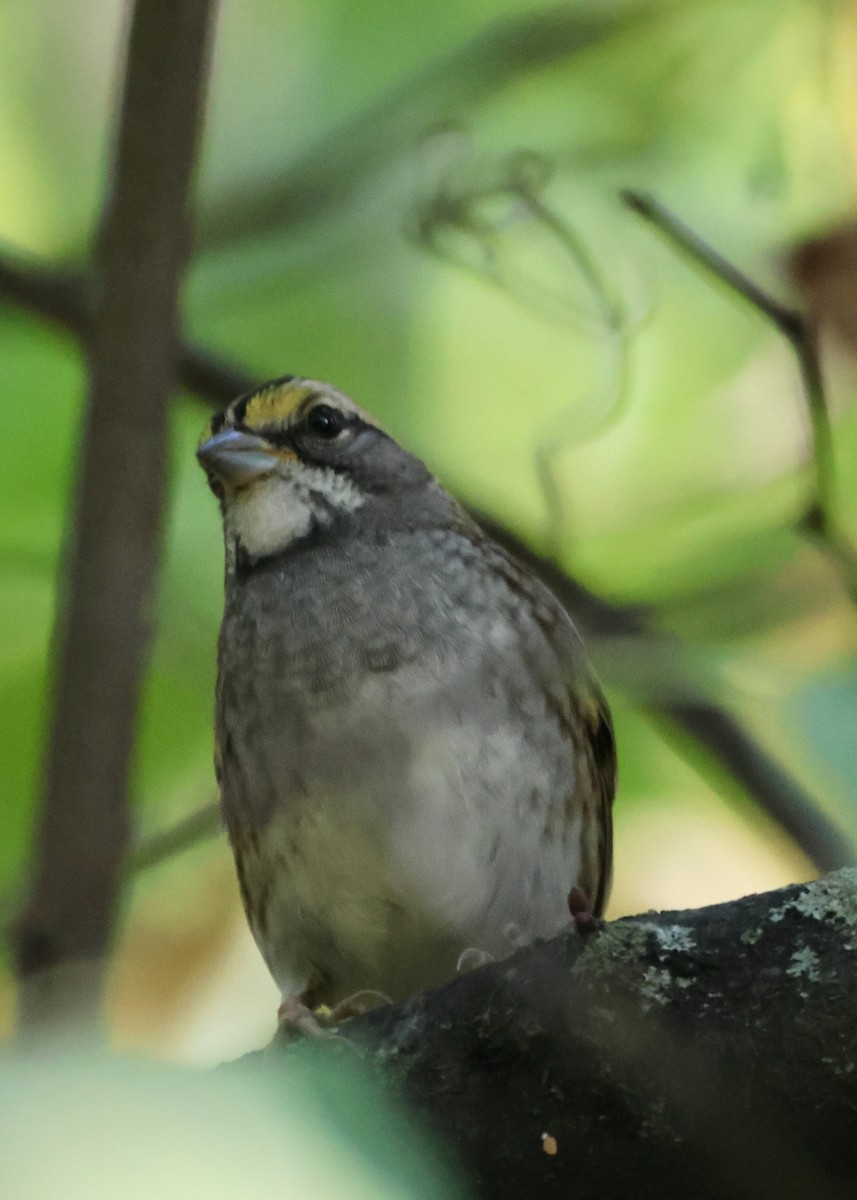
[
  {"x": 78, "y": 1127},
  {"x": 357, "y": 122}
]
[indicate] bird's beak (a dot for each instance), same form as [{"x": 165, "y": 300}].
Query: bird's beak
[{"x": 237, "y": 458}]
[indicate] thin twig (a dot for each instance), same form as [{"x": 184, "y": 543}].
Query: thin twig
[
  {"x": 157, "y": 848},
  {"x": 63, "y": 934},
  {"x": 457, "y": 208},
  {"x": 196, "y": 827},
  {"x": 818, "y": 520}
]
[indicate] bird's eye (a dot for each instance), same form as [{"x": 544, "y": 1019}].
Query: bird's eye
[{"x": 324, "y": 421}]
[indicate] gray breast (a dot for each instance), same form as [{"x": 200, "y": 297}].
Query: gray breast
[
  {"x": 409, "y": 693},
  {"x": 333, "y": 659}
]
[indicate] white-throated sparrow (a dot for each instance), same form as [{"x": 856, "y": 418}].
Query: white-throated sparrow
[{"x": 413, "y": 755}]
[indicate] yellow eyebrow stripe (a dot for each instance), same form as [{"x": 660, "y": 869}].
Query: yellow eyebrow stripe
[{"x": 274, "y": 404}]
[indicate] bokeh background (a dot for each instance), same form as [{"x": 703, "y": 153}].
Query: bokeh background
[{"x": 420, "y": 204}]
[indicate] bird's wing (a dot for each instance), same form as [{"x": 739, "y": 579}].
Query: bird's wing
[
  {"x": 591, "y": 727},
  {"x": 582, "y": 709}
]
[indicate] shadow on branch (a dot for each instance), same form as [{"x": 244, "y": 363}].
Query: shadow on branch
[{"x": 710, "y": 1054}]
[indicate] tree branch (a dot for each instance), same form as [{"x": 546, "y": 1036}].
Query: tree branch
[
  {"x": 197, "y": 826},
  {"x": 65, "y": 298},
  {"x": 819, "y": 519},
  {"x": 709, "y": 1054},
  {"x": 686, "y": 709},
  {"x": 103, "y": 631}
]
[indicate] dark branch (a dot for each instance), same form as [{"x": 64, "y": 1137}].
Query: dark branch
[
  {"x": 65, "y": 298},
  {"x": 199, "y": 825},
  {"x": 63, "y": 934},
  {"x": 708, "y": 1054},
  {"x": 818, "y": 521},
  {"x": 684, "y": 708}
]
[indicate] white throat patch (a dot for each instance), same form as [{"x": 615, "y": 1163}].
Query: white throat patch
[{"x": 276, "y": 511}]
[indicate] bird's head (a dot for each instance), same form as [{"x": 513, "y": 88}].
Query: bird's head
[{"x": 297, "y": 459}]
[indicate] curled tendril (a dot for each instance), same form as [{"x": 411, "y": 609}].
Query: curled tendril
[{"x": 478, "y": 220}]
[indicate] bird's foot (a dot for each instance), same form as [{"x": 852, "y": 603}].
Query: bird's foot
[
  {"x": 582, "y": 916},
  {"x": 357, "y": 1004},
  {"x": 296, "y": 1019},
  {"x": 515, "y": 936},
  {"x": 471, "y": 958}
]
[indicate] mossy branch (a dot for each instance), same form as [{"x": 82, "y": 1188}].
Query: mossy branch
[{"x": 710, "y": 1054}]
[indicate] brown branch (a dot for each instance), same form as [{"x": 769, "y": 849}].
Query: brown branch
[
  {"x": 198, "y": 826},
  {"x": 102, "y": 637},
  {"x": 707, "y": 1054},
  {"x": 65, "y": 297}
]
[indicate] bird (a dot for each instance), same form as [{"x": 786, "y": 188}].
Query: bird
[{"x": 414, "y": 756}]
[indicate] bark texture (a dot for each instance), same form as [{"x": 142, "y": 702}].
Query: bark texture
[
  {"x": 104, "y": 616},
  {"x": 700, "y": 1054}
]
